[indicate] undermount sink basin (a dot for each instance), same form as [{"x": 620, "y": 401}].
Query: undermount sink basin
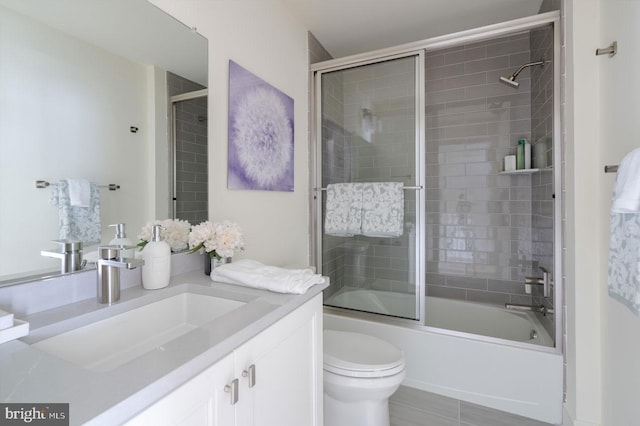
[{"x": 112, "y": 342}]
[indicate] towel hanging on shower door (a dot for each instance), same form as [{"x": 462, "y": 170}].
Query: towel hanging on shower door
[{"x": 343, "y": 217}]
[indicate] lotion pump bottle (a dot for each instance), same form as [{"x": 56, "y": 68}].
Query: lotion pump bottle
[
  {"x": 122, "y": 240},
  {"x": 156, "y": 270}
]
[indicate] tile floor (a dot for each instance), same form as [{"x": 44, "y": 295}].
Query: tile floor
[{"x": 413, "y": 407}]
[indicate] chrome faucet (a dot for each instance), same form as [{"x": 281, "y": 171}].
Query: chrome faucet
[
  {"x": 70, "y": 254},
  {"x": 545, "y": 281},
  {"x": 108, "y": 266}
]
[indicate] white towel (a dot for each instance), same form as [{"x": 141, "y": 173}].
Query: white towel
[
  {"x": 624, "y": 246},
  {"x": 251, "y": 273},
  {"x": 343, "y": 217},
  {"x": 79, "y": 192},
  {"x": 383, "y": 209}
]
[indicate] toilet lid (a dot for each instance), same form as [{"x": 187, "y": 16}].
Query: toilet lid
[{"x": 360, "y": 355}]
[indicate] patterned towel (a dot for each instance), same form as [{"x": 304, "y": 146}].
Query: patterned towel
[
  {"x": 78, "y": 223},
  {"x": 343, "y": 217},
  {"x": 624, "y": 260},
  {"x": 383, "y": 209}
]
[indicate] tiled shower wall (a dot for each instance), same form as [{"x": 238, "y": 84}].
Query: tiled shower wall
[
  {"x": 478, "y": 221},
  {"x": 191, "y": 151},
  {"x": 485, "y": 231}
]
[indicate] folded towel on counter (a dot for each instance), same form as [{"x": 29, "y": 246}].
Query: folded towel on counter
[
  {"x": 78, "y": 223},
  {"x": 251, "y": 273},
  {"x": 79, "y": 192},
  {"x": 383, "y": 209},
  {"x": 624, "y": 246},
  {"x": 626, "y": 191},
  {"x": 343, "y": 217}
]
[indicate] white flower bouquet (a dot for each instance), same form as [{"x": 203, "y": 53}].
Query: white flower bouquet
[
  {"x": 174, "y": 231},
  {"x": 218, "y": 240}
]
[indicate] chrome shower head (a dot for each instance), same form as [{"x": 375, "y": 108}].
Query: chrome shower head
[{"x": 511, "y": 80}]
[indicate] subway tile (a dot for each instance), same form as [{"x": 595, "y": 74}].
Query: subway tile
[
  {"x": 486, "y": 64},
  {"x": 466, "y": 55},
  {"x": 466, "y": 282},
  {"x": 446, "y": 292},
  {"x": 444, "y": 71}
]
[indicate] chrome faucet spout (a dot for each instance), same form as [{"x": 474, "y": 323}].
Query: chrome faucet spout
[
  {"x": 529, "y": 308},
  {"x": 108, "y": 268}
]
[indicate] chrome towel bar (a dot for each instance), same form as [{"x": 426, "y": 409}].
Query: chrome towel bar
[
  {"x": 45, "y": 184},
  {"x": 405, "y": 187}
]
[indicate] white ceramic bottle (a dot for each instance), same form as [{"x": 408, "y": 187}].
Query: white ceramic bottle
[
  {"x": 122, "y": 240},
  {"x": 156, "y": 271}
]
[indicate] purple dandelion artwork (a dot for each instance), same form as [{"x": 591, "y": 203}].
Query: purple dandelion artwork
[{"x": 260, "y": 134}]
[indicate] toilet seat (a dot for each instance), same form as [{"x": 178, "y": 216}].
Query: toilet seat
[{"x": 360, "y": 355}]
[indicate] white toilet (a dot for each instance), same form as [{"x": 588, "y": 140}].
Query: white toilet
[{"x": 360, "y": 373}]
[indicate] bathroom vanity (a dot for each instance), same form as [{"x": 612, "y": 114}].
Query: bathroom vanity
[{"x": 195, "y": 352}]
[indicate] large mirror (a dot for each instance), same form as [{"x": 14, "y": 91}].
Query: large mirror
[{"x": 86, "y": 93}]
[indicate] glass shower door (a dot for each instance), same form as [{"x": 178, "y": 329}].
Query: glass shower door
[{"x": 369, "y": 132}]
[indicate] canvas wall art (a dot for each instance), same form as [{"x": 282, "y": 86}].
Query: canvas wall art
[{"x": 260, "y": 134}]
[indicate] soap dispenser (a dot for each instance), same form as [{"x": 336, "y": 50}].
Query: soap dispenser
[
  {"x": 156, "y": 270},
  {"x": 122, "y": 240}
]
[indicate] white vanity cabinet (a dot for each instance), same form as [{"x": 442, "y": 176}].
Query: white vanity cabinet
[{"x": 276, "y": 376}]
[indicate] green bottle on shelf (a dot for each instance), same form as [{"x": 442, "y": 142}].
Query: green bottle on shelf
[{"x": 520, "y": 154}]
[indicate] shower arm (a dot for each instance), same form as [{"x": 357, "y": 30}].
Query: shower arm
[{"x": 541, "y": 62}]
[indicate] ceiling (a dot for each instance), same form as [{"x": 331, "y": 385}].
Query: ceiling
[{"x": 347, "y": 27}]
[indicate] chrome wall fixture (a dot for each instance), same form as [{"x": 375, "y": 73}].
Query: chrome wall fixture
[
  {"x": 610, "y": 169},
  {"x": 611, "y": 50}
]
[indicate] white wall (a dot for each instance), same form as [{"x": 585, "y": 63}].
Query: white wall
[
  {"x": 582, "y": 177},
  {"x": 619, "y": 110},
  {"x": 603, "y": 101},
  {"x": 266, "y": 40},
  {"x": 65, "y": 112}
]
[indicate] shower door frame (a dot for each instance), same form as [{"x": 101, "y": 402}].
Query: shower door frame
[
  {"x": 436, "y": 43},
  {"x": 419, "y": 180}
]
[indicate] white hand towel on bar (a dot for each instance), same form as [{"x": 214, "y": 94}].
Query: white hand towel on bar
[
  {"x": 251, "y": 273},
  {"x": 343, "y": 217},
  {"x": 79, "y": 192},
  {"x": 383, "y": 209},
  {"x": 624, "y": 247}
]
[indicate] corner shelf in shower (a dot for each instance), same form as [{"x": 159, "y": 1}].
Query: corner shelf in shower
[{"x": 525, "y": 171}]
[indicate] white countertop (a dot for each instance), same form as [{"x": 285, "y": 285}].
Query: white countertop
[{"x": 31, "y": 375}]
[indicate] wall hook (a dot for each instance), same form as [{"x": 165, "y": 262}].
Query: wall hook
[{"x": 611, "y": 50}]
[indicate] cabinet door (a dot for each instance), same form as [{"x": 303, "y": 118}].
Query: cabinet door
[
  {"x": 200, "y": 402},
  {"x": 287, "y": 362}
]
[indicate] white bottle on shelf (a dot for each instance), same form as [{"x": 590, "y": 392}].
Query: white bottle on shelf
[
  {"x": 122, "y": 240},
  {"x": 156, "y": 271}
]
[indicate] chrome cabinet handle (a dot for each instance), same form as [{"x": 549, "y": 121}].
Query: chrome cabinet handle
[
  {"x": 233, "y": 390},
  {"x": 251, "y": 374}
]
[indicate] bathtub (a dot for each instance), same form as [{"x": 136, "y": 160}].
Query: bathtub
[
  {"x": 509, "y": 375},
  {"x": 456, "y": 315}
]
